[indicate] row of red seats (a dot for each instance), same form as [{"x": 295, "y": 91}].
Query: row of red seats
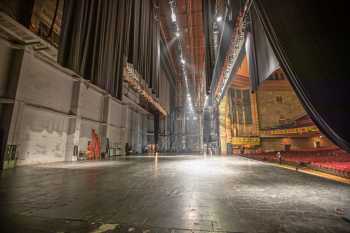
[
  {"x": 328, "y": 158},
  {"x": 338, "y": 166}
]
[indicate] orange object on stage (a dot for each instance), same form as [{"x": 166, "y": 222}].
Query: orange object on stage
[{"x": 95, "y": 141}]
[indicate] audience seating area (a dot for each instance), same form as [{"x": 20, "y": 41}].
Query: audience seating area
[{"x": 331, "y": 160}]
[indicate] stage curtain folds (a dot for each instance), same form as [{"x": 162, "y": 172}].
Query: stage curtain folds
[
  {"x": 98, "y": 36},
  {"x": 208, "y": 19},
  {"x": 311, "y": 42},
  {"x": 262, "y": 60}
]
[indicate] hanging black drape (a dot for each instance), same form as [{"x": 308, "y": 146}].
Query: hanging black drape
[
  {"x": 21, "y": 11},
  {"x": 261, "y": 58},
  {"x": 214, "y": 60},
  {"x": 208, "y": 15},
  {"x": 222, "y": 51},
  {"x": 97, "y": 36},
  {"x": 144, "y": 51},
  {"x": 311, "y": 42}
]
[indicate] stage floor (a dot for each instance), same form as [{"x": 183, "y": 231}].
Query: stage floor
[{"x": 170, "y": 194}]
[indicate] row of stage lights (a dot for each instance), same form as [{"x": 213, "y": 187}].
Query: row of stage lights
[{"x": 182, "y": 60}]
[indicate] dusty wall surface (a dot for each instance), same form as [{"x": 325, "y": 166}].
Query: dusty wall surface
[
  {"x": 91, "y": 103},
  {"x": 52, "y": 111},
  {"x": 44, "y": 85},
  {"x": 117, "y": 131},
  {"x": 137, "y": 131},
  {"x": 40, "y": 122},
  {"x": 42, "y": 136}
]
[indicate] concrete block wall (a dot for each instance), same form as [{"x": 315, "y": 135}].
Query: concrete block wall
[
  {"x": 53, "y": 110},
  {"x": 40, "y": 122},
  {"x": 137, "y": 131},
  {"x": 91, "y": 110},
  {"x": 42, "y": 136},
  {"x": 91, "y": 103},
  {"x": 117, "y": 132},
  {"x": 149, "y": 128},
  {"x": 5, "y": 60},
  {"x": 43, "y": 84},
  {"x": 164, "y": 135},
  {"x": 6, "y": 57}
]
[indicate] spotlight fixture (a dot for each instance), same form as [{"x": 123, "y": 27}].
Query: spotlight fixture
[{"x": 219, "y": 19}]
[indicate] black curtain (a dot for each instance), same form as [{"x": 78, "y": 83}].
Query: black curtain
[
  {"x": 261, "y": 58},
  {"x": 213, "y": 65},
  {"x": 311, "y": 42},
  {"x": 208, "y": 13},
  {"x": 19, "y": 10},
  {"x": 222, "y": 50},
  {"x": 144, "y": 41},
  {"x": 98, "y": 36}
]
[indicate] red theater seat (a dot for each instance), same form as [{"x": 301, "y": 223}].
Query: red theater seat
[{"x": 324, "y": 158}]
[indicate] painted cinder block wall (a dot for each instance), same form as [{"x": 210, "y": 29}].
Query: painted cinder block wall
[{"x": 53, "y": 109}]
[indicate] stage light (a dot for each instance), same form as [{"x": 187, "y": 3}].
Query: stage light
[
  {"x": 173, "y": 17},
  {"x": 183, "y": 61},
  {"x": 177, "y": 34},
  {"x": 219, "y": 19}
]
